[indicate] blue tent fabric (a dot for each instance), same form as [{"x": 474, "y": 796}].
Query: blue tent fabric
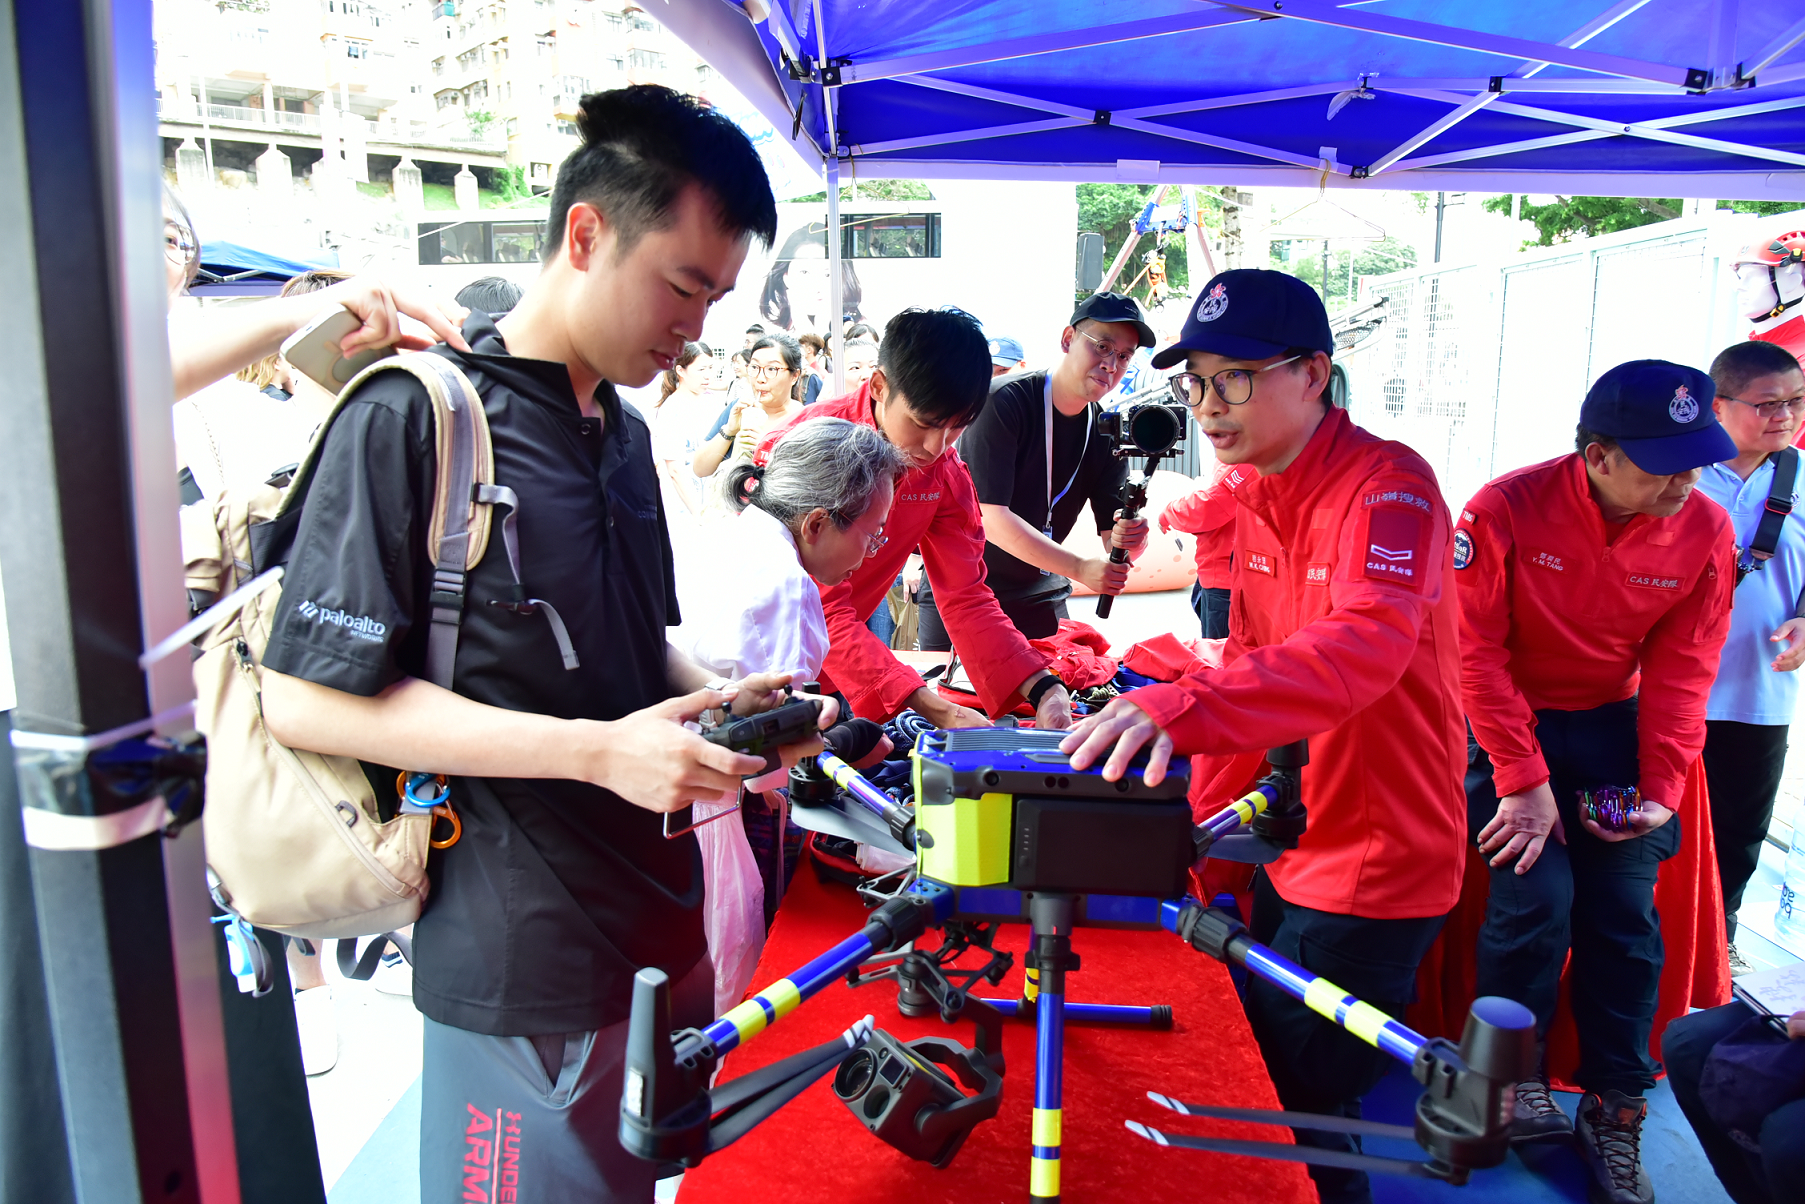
[
  {"x": 1643, "y": 98},
  {"x": 231, "y": 260}
]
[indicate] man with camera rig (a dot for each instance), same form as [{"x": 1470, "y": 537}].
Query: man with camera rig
[
  {"x": 1595, "y": 598},
  {"x": 1037, "y": 454},
  {"x": 1343, "y": 629},
  {"x": 931, "y": 381}
]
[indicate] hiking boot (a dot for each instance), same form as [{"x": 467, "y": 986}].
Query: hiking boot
[
  {"x": 1610, "y": 1141},
  {"x": 1738, "y": 964},
  {"x": 1537, "y": 1117}
]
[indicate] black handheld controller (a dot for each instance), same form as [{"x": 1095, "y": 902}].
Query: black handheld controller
[{"x": 762, "y": 735}]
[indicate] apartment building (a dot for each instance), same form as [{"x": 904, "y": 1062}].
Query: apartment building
[{"x": 447, "y": 84}]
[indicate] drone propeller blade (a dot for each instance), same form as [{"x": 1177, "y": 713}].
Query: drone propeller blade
[
  {"x": 1296, "y": 1120},
  {"x": 1285, "y": 1153}
]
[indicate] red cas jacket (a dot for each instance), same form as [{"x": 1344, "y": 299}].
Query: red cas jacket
[
  {"x": 1209, "y": 514},
  {"x": 1558, "y": 614},
  {"x": 1344, "y": 629},
  {"x": 936, "y": 510}
]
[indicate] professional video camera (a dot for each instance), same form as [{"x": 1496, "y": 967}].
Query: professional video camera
[
  {"x": 1149, "y": 429},
  {"x": 1004, "y": 830}
]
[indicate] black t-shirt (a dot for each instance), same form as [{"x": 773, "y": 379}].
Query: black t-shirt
[
  {"x": 1006, "y": 450},
  {"x": 558, "y": 891}
]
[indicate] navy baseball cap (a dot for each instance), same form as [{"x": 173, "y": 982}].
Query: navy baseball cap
[
  {"x": 1660, "y": 415},
  {"x": 1006, "y": 352},
  {"x": 1114, "y": 307},
  {"x": 1252, "y": 314}
]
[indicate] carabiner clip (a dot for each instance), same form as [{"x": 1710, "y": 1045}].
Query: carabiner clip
[
  {"x": 443, "y": 811},
  {"x": 429, "y": 794},
  {"x": 421, "y": 793}
]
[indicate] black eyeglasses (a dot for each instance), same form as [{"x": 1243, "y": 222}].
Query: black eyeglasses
[
  {"x": 1767, "y": 409},
  {"x": 1233, "y": 385}
]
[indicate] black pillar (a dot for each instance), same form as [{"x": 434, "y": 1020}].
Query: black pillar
[{"x": 80, "y": 315}]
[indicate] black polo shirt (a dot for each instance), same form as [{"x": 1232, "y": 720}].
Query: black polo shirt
[
  {"x": 558, "y": 891},
  {"x": 1006, "y": 450}
]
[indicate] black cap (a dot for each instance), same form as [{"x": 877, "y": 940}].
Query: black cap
[
  {"x": 1252, "y": 314},
  {"x": 1114, "y": 307},
  {"x": 1660, "y": 415}
]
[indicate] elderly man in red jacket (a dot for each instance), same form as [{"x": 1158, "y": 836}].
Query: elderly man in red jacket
[
  {"x": 932, "y": 378},
  {"x": 1595, "y": 597},
  {"x": 1343, "y": 628}
]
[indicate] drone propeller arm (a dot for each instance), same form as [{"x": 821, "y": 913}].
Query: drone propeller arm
[{"x": 1286, "y": 1153}]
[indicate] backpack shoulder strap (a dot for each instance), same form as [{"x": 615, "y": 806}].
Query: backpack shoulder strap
[
  {"x": 457, "y": 532},
  {"x": 1779, "y": 505}
]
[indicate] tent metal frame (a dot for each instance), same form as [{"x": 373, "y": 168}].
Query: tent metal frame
[{"x": 816, "y": 78}]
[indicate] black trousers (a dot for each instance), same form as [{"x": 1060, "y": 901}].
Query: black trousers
[
  {"x": 1592, "y": 896},
  {"x": 1035, "y": 618},
  {"x": 1211, "y": 606},
  {"x": 1778, "y": 1171},
  {"x": 1316, "y": 1065},
  {"x": 536, "y": 1120},
  {"x": 1743, "y": 763}
]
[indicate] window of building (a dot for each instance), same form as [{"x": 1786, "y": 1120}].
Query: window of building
[
  {"x": 513, "y": 126},
  {"x": 477, "y": 91},
  {"x": 645, "y": 60},
  {"x": 438, "y": 66},
  {"x": 446, "y": 100},
  {"x": 546, "y": 45},
  {"x": 890, "y": 236},
  {"x": 568, "y": 127},
  {"x": 574, "y": 86},
  {"x": 638, "y": 20},
  {"x": 356, "y": 50}
]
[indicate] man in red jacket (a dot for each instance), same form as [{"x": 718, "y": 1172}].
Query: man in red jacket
[
  {"x": 1342, "y": 629},
  {"x": 1595, "y": 597},
  {"x": 1209, "y": 515},
  {"x": 932, "y": 378}
]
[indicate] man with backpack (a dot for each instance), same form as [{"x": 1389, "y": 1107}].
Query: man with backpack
[{"x": 562, "y": 730}]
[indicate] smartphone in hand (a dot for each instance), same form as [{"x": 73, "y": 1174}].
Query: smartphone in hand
[{"x": 315, "y": 349}]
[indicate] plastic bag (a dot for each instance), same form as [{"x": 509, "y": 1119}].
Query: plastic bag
[{"x": 733, "y": 912}]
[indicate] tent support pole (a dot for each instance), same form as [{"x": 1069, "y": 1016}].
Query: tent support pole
[{"x": 836, "y": 277}]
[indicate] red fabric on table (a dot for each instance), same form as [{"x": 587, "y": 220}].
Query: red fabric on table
[
  {"x": 1688, "y": 897},
  {"x": 815, "y": 1150}
]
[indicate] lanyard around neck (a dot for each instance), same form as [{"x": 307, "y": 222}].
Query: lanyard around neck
[{"x": 1089, "y": 417}]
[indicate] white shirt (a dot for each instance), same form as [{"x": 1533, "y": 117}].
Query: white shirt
[
  {"x": 748, "y": 606},
  {"x": 231, "y": 435},
  {"x": 1747, "y": 689}
]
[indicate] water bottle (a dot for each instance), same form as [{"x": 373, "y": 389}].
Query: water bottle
[{"x": 1789, "y": 920}]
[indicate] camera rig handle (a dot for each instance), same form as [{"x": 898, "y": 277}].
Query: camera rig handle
[
  {"x": 1134, "y": 497},
  {"x": 1462, "y": 1120}
]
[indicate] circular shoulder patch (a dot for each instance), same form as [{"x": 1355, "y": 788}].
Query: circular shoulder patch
[{"x": 1463, "y": 549}]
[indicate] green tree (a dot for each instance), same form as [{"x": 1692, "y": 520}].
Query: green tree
[
  {"x": 1369, "y": 259},
  {"x": 873, "y": 190},
  {"x": 1110, "y": 210},
  {"x": 1590, "y": 215}
]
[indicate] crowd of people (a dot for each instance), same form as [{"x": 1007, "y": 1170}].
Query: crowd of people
[{"x": 1463, "y": 677}]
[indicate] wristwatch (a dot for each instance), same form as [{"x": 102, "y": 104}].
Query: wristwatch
[{"x": 1041, "y": 688}]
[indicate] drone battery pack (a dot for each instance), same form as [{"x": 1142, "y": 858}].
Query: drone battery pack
[{"x": 1003, "y": 807}]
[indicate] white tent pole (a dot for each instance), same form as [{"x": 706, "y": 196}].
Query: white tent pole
[
  {"x": 835, "y": 334},
  {"x": 1722, "y": 51},
  {"x": 1654, "y": 130},
  {"x": 1578, "y": 37},
  {"x": 1464, "y": 39},
  {"x": 1774, "y": 49},
  {"x": 829, "y": 96}
]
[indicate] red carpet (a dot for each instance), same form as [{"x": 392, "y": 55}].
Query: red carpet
[
  {"x": 815, "y": 1150},
  {"x": 1690, "y": 901}
]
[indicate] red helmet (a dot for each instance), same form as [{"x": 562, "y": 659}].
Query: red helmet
[
  {"x": 1775, "y": 253},
  {"x": 1781, "y": 248}
]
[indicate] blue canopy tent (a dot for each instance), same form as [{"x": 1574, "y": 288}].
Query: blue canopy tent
[
  {"x": 1691, "y": 98},
  {"x": 229, "y": 269},
  {"x": 1640, "y": 97}
]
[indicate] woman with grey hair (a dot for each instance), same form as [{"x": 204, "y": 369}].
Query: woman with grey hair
[{"x": 749, "y": 590}]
